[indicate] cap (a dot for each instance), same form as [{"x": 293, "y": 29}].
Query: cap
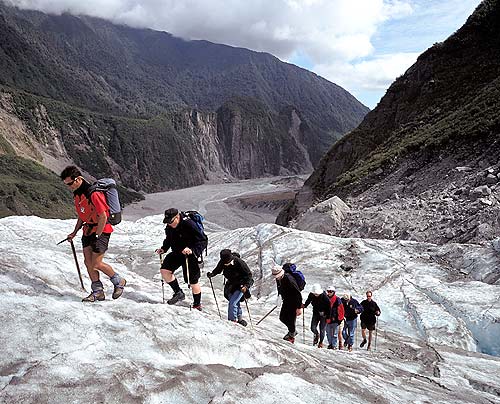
[
  {"x": 331, "y": 287},
  {"x": 169, "y": 215},
  {"x": 277, "y": 272},
  {"x": 226, "y": 256},
  {"x": 316, "y": 289}
]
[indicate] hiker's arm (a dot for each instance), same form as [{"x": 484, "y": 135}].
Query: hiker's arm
[
  {"x": 78, "y": 226},
  {"x": 218, "y": 269},
  {"x": 101, "y": 222}
]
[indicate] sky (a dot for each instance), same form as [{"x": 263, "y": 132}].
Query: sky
[{"x": 361, "y": 45}]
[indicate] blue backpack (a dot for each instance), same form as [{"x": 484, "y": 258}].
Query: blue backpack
[
  {"x": 198, "y": 219},
  {"x": 299, "y": 277}
]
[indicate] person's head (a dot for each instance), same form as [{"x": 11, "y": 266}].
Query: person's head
[
  {"x": 346, "y": 297},
  {"x": 226, "y": 256},
  {"x": 72, "y": 177},
  {"x": 330, "y": 291},
  {"x": 172, "y": 217},
  {"x": 278, "y": 272},
  {"x": 316, "y": 289},
  {"x": 369, "y": 295}
]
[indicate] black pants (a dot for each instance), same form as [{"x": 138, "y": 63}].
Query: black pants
[
  {"x": 321, "y": 320},
  {"x": 288, "y": 316}
]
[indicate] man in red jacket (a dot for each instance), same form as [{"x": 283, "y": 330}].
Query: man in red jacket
[
  {"x": 334, "y": 318},
  {"x": 93, "y": 212}
]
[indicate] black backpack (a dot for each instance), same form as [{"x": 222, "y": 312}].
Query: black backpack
[{"x": 108, "y": 187}]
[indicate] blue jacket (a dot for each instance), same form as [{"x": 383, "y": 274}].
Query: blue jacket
[{"x": 351, "y": 308}]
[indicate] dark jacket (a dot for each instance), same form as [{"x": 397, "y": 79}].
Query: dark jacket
[
  {"x": 237, "y": 274},
  {"x": 320, "y": 303},
  {"x": 351, "y": 308},
  {"x": 368, "y": 315},
  {"x": 289, "y": 291},
  {"x": 186, "y": 234},
  {"x": 336, "y": 310}
]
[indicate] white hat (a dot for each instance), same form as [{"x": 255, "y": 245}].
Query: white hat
[
  {"x": 316, "y": 289},
  {"x": 331, "y": 287},
  {"x": 277, "y": 271}
]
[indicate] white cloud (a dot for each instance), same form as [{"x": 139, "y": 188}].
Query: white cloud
[
  {"x": 373, "y": 75},
  {"x": 340, "y": 39}
]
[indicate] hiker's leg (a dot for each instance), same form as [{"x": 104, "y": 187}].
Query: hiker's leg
[
  {"x": 194, "y": 277},
  {"x": 322, "y": 324},
  {"x": 335, "y": 333},
  {"x": 232, "y": 308},
  {"x": 363, "y": 331},
  {"x": 171, "y": 262},
  {"x": 100, "y": 265},
  {"x": 314, "y": 323},
  {"x": 87, "y": 255}
]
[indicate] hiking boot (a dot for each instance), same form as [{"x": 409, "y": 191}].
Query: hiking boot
[
  {"x": 97, "y": 295},
  {"x": 242, "y": 322},
  {"x": 349, "y": 348},
  {"x": 289, "y": 335},
  {"x": 118, "y": 290},
  {"x": 363, "y": 343},
  {"x": 330, "y": 346},
  {"x": 341, "y": 346},
  {"x": 290, "y": 339},
  {"x": 369, "y": 347},
  {"x": 197, "y": 307},
  {"x": 177, "y": 297},
  {"x": 320, "y": 345},
  {"x": 316, "y": 339}
]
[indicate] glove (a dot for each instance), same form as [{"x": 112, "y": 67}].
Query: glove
[
  {"x": 377, "y": 313},
  {"x": 209, "y": 275},
  {"x": 243, "y": 288},
  {"x": 322, "y": 313}
]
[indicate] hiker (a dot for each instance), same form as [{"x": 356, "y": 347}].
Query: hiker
[
  {"x": 351, "y": 310},
  {"x": 237, "y": 288},
  {"x": 368, "y": 318},
  {"x": 321, "y": 306},
  {"x": 187, "y": 244},
  {"x": 93, "y": 211},
  {"x": 292, "y": 300},
  {"x": 334, "y": 317}
]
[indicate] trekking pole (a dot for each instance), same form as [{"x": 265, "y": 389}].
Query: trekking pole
[
  {"x": 376, "y": 321},
  {"x": 76, "y": 260},
  {"x": 270, "y": 311},
  {"x": 215, "y": 297},
  {"x": 304, "y": 326},
  {"x": 187, "y": 273},
  {"x": 162, "y": 281},
  {"x": 248, "y": 311}
]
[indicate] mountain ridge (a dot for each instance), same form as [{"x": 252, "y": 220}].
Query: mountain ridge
[{"x": 430, "y": 116}]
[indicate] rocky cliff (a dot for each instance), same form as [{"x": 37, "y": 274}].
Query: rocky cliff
[
  {"x": 423, "y": 165},
  {"x": 157, "y": 112}
]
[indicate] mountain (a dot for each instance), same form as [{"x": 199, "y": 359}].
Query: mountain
[
  {"x": 435, "y": 341},
  {"x": 424, "y": 164},
  {"x": 158, "y": 112}
]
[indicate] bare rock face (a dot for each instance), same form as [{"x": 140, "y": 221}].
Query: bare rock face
[{"x": 325, "y": 217}]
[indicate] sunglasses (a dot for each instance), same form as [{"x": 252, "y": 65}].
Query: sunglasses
[
  {"x": 330, "y": 291},
  {"x": 70, "y": 183}
]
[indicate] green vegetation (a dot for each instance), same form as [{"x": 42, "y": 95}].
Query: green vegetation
[{"x": 27, "y": 188}]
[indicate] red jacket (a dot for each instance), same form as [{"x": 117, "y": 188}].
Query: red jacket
[{"x": 336, "y": 310}]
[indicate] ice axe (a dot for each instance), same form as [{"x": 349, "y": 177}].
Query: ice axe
[{"x": 76, "y": 259}]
